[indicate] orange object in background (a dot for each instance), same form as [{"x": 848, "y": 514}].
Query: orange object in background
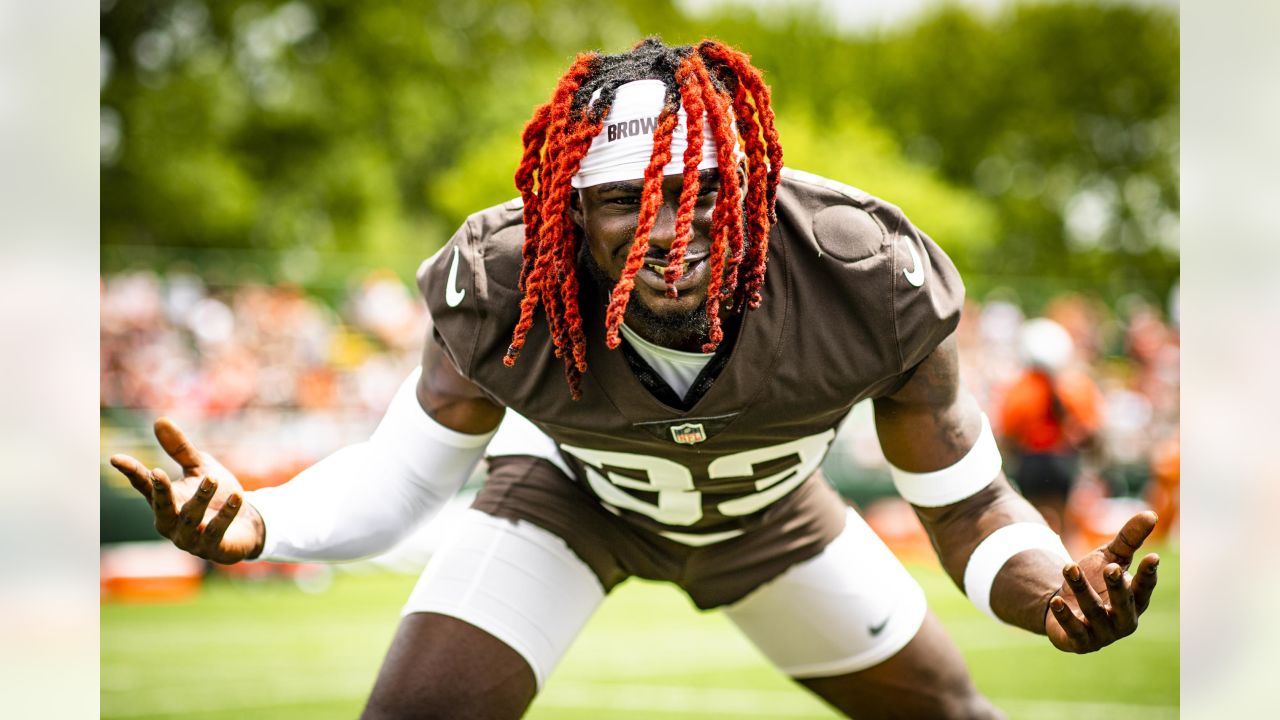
[
  {"x": 1027, "y": 416},
  {"x": 153, "y": 571},
  {"x": 254, "y": 478},
  {"x": 1163, "y": 492},
  {"x": 308, "y": 577}
]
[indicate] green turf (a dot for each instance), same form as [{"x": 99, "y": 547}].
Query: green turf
[{"x": 271, "y": 651}]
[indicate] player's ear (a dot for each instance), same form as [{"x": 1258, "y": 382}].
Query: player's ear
[{"x": 575, "y": 207}]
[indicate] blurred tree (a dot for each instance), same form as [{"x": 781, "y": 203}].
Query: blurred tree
[
  {"x": 310, "y": 139},
  {"x": 1066, "y": 115},
  {"x": 316, "y": 128},
  {"x": 1063, "y": 115},
  {"x": 849, "y": 146}
]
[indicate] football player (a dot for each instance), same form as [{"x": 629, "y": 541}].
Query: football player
[{"x": 654, "y": 346}]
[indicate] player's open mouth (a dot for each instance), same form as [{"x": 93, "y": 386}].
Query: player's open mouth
[{"x": 695, "y": 271}]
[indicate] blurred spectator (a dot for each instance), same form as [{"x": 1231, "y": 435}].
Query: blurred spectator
[
  {"x": 385, "y": 308},
  {"x": 1048, "y": 416},
  {"x": 1085, "y": 320},
  {"x": 246, "y": 366}
]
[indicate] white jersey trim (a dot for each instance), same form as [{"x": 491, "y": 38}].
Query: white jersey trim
[{"x": 679, "y": 369}]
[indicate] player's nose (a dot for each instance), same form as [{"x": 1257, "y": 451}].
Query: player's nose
[{"x": 663, "y": 234}]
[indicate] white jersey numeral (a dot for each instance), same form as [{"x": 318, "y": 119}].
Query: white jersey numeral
[
  {"x": 678, "y": 503},
  {"x": 810, "y": 450}
]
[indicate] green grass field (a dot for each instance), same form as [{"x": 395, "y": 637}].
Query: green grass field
[{"x": 271, "y": 651}]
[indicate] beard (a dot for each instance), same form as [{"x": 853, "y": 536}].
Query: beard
[{"x": 672, "y": 330}]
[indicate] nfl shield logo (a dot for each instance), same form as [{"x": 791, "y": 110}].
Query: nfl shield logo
[{"x": 688, "y": 434}]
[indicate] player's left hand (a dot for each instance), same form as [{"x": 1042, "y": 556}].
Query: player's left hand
[{"x": 1099, "y": 602}]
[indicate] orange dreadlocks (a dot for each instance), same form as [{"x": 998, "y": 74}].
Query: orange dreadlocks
[{"x": 718, "y": 87}]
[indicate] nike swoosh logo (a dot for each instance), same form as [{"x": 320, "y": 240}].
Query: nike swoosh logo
[
  {"x": 915, "y": 275},
  {"x": 452, "y": 295},
  {"x": 876, "y": 629}
]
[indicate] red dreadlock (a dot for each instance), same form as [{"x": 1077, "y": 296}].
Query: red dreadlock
[
  {"x": 726, "y": 219},
  {"x": 547, "y": 226},
  {"x": 751, "y": 93},
  {"x": 716, "y": 85}
]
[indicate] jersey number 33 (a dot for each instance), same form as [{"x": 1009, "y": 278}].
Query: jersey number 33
[{"x": 678, "y": 501}]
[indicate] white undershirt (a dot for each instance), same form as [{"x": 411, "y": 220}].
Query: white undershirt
[{"x": 677, "y": 367}]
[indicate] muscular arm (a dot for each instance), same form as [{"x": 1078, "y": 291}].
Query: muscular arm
[{"x": 930, "y": 424}]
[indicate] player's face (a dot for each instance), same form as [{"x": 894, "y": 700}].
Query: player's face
[{"x": 609, "y": 213}]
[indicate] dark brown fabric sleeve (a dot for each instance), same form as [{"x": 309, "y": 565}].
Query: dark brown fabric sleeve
[
  {"x": 928, "y": 293},
  {"x": 453, "y": 284}
]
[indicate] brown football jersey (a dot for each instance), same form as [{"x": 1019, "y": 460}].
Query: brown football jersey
[{"x": 854, "y": 297}]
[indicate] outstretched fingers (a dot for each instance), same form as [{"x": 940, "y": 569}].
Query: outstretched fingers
[
  {"x": 183, "y": 526},
  {"x": 1097, "y": 624},
  {"x": 136, "y": 473},
  {"x": 207, "y": 546},
  {"x": 1144, "y": 581},
  {"x": 162, "y": 503},
  {"x": 193, "y": 513},
  {"x": 1090, "y": 604},
  {"x": 1124, "y": 612},
  {"x": 176, "y": 444},
  {"x": 1130, "y": 538},
  {"x": 1077, "y": 632}
]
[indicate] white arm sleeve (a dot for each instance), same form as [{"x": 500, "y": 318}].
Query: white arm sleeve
[{"x": 365, "y": 498}]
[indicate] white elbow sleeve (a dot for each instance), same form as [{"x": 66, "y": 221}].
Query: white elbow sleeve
[
  {"x": 973, "y": 472},
  {"x": 990, "y": 556},
  {"x": 364, "y": 498}
]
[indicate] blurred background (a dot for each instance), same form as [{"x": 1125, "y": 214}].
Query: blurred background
[{"x": 273, "y": 173}]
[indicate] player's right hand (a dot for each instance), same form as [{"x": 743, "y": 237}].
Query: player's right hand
[{"x": 202, "y": 512}]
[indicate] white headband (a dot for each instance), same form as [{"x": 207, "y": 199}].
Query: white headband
[{"x": 624, "y": 146}]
